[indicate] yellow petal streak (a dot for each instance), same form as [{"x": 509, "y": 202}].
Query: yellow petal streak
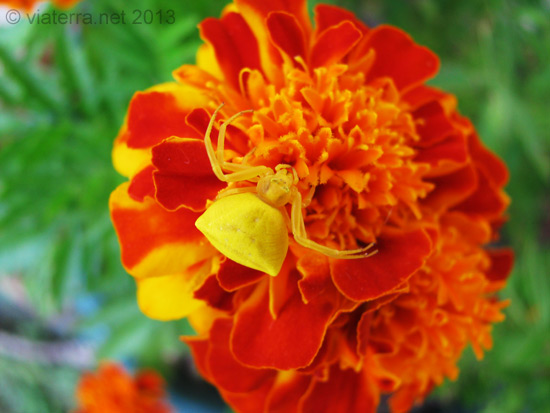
[{"x": 167, "y": 298}]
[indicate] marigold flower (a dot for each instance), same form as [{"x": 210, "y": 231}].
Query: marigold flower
[
  {"x": 112, "y": 390},
  {"x": 380, "y": 157}
]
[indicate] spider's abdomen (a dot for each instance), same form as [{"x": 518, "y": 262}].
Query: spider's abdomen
[{"x": 247, "y": 230}]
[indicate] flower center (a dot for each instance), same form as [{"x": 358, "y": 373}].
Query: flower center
[{"x": 351, "y": 144}]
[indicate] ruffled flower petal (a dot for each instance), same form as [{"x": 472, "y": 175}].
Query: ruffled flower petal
[
  {"x": 258, "y": 338},
  {"x": 155, "y": 241},
  {"x": 170, "y": 297},
  {"x": 334, "y": 43},
  {"x": 234, "y": 45},
  {"x": 399, "y": 256},
  {"x": 416, "y": 64},
  {"x": 184, "y": 175}
]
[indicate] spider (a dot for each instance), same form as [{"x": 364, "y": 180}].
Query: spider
[{"x": 249, "y": 225}]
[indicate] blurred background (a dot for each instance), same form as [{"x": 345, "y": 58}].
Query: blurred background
[{"x": 66, "y": 301}]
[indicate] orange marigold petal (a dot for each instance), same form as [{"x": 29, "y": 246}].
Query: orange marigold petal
[
  {"x": 399, "y": 255},
  {"x": 112, "y": 389}
]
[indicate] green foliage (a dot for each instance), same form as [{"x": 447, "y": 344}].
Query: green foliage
[{"x": 64, "y": 91}]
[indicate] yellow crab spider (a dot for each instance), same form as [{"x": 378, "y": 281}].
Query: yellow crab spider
[{"x": 250, "y": 225}]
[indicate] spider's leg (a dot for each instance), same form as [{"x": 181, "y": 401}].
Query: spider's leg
[
  {"x": 235, "y": 191},
  {"x": 221, "y": 135},
  {"x": 210, "y": 149},
  {"x": 300, "y": 236},
  {"x": 286, "y": 217},
  {"x": 243, "y": 172}
]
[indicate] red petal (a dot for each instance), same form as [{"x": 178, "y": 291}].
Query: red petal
[
  {"x": 316, "y": 278},
  {"x": 398, "y": 57},
  {"x": 316, "y": 284},
  {"x": 236, "y": 139},
  {"x": 142, "y": 184},
  {"x": 199, "y": 348},
  {"x": 502, "y": 262},
  {"x": 334, "y": 43},
  {"x": 190, "y": 192},
  {"x": 248, "y": 402},
  {"x": 345, "y": 391},
  {"x": 451, "y": 189},
  {"x": 432, "y": 124},
  {"x": 177, "y": 156},
  {"x": 227, "y": 372},
  {"x": 485, "y": 200},
  {"x": 258, "y": 339},
  {"x": 234, "y": 44},
  {"x": 296, "y": 8},
  {"x": 214, "y": 295},
  {"x": 327, "y": 16},
  {"x": 495, "y": 170},
  {"x": 287, "y": 393},
  {"x": 153, "y": 117},
  {"x": 423, "y": 94},
  {"x": 233, "y": 276},
  {"x": 399, "y": 255},
  {"x": 444, "y": 156},
  {"x": 142, "y": 230},
  {"x": 199, "y": 119},
  {"x": 184, "y": 176},
  {"x": 286, "y": 33}
]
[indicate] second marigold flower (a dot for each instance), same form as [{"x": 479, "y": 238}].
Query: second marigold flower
[{"x": 371, "y": 154}]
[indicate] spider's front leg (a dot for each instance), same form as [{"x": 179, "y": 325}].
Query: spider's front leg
[
  {"x": 239, "y": 172},
  {"x": 300, "y": 235}
]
